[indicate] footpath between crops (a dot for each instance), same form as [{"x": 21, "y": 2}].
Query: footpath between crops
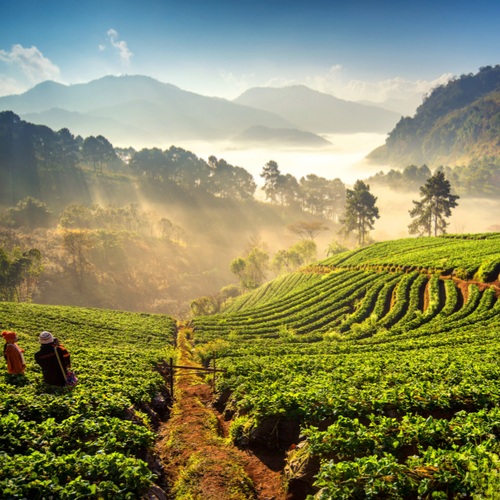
[{"x": 200, "y": 461}]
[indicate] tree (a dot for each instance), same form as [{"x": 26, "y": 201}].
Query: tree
[
  {"x": 19, "y": 274},
  {"x": 307, "y": 230},
  {"x": 151, "y": 218},
  {"x": 360, "y": 211},
  {"x": 77, "y": 244},
  {"x": 270, "y": 174},
  {"x": 301, "y": 253},
  {"x": 434, "y": 207},
  {"x": 151, "y": 163},
  {"x": 97, "y": 150},
  {"x": 252, "y": 270},
  {"x": 166, "y": 227},
  {"x": 321, "y": 196},
  {"x": 238, "y": 268},
  {"x": 257, "y": 264},
  {"x": 30, "y": 213},
  {"x": 67, "y": 148},
  {"x": 285, "y": 261},
  {"x": 334, "y": 248},
  {"x": 230, "y": 292}
]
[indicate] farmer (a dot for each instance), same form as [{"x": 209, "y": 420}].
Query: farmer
[
  {"x": 12, "y": 354},
  {"x": 53, "y": 369}
]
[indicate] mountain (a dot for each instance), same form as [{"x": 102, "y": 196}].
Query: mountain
[
  {"x": 320, "y": 113},
  {"x": 457, "y": 123},
  {"x": 280, "y": 136},
  {"x": 147, "y": 105},
  {"x": 85, "y": 125}
]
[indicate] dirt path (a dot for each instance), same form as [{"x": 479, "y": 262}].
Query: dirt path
[{"x": 200, "y": 461}]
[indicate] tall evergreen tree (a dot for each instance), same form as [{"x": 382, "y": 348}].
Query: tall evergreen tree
[
  {"x": 271, "y": 174},
  {"x": 434, "y": 207},
  {"x": 360, "y": 211}
]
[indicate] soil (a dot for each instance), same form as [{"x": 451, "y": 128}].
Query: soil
[
  {"x": 263, "y": 466},
  {"x": 425, "y": 296},
  {"x": 191, "y": 433}
]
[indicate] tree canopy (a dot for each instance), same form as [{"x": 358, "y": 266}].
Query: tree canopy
[
  {"x": 434, "y": 207},
  {"x": 360, "y": 211},
  {"x": 307, "y": 230}
]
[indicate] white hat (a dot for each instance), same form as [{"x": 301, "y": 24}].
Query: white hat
[{"x": 46, "y": 338}]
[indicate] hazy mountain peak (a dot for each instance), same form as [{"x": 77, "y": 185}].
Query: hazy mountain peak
[{"x": 317, "y": 112}]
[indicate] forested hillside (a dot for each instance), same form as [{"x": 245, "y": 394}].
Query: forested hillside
[
  {"x": 84, "y": 223},
  {"x": 456, "y": 123}
]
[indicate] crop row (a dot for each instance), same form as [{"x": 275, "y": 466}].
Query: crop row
[
  {"x": 308, "y": 315},
  {"x": 60, "y": 443},
  {"x": 466, "y": 256},
  {"x": 271, "y": 291}
]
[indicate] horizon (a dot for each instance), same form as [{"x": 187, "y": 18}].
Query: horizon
[{"x": 354, "y": 52}]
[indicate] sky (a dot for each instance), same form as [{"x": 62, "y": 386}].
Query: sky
[{"x": 357, "y": 50}]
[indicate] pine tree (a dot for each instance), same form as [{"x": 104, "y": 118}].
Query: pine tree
[
  {"x": 434, "y": 207},
  {"x": 360, "y": 211}
]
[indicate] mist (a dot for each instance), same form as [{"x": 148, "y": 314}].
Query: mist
[
  {"x": 473, "y": 215},
  {"x": 343, "y": 159}
]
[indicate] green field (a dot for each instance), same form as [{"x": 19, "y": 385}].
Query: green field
[
  {"x": 378, "y": 367},
  {"x": 89, "y": 442},
  {"x": 388, "y": 366}
]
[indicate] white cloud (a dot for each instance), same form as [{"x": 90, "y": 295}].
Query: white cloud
[
  {"x": 121, "y": 46},
  {"x": 101, "y": 47},
  {"x": 398, "y": 88},
  {"x": 281, "y": 82},
  {"x": 355, "y": 90},
  {"x": 9, "y": 86},
  {"x": 32, "y": 62},
  {"x": 238, "y": 83}
]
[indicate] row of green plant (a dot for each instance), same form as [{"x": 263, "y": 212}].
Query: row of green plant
[
  {"x": 465, "y": 256},
  {"x": 402, "y": 379},
  {"x": 271, "y": 291},
  {"x": 85, "y": 442}
]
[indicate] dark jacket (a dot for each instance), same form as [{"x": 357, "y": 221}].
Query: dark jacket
[{"x": 46, "y": 358}]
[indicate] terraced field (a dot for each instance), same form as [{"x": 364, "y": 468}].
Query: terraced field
[
  {"x": 272, "y": 291},
  {"x": 383, "y": 376},
  {"x": 92, "y": 441}
]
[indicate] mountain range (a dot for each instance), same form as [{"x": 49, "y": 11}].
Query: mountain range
[
  {"x": 458, "y": 123},
  {"x": 139, "y": 110},
  {"x": 317, "y": 112}
]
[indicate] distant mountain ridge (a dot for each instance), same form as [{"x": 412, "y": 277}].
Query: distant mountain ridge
[
  {"x": 138, "y": 109},
  {"x": 318, "y": 112},
  {"x": 262, "y": 135},
  {"x": 457, "y": 123},
  {"x": 155, "y": 109}
]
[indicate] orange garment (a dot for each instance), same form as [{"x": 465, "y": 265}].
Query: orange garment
[{"x": 14, "y": 359}]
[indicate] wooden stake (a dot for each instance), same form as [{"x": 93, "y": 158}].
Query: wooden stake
[
  {"x": 215, "y": 373},
  {"x": 172, "y": 379}
]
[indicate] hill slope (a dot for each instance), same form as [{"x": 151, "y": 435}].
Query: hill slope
[
  {"x": 456, "y": 123},
  {"x": 146, "y": 104},
  {"x": 317, "y": 112},
  {"x": 387, "y": 372}
]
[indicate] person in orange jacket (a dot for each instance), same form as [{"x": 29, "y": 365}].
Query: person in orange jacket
[{"x": 13, "y": 354}]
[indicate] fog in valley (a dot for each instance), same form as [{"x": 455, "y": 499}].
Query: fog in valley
[{"x": 343, "y": 158}]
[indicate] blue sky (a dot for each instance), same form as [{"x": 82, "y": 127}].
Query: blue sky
[{"x": 355, "y": 50}]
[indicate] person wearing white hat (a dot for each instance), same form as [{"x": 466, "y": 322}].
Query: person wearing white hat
[{"x": 54, "y": 360}]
